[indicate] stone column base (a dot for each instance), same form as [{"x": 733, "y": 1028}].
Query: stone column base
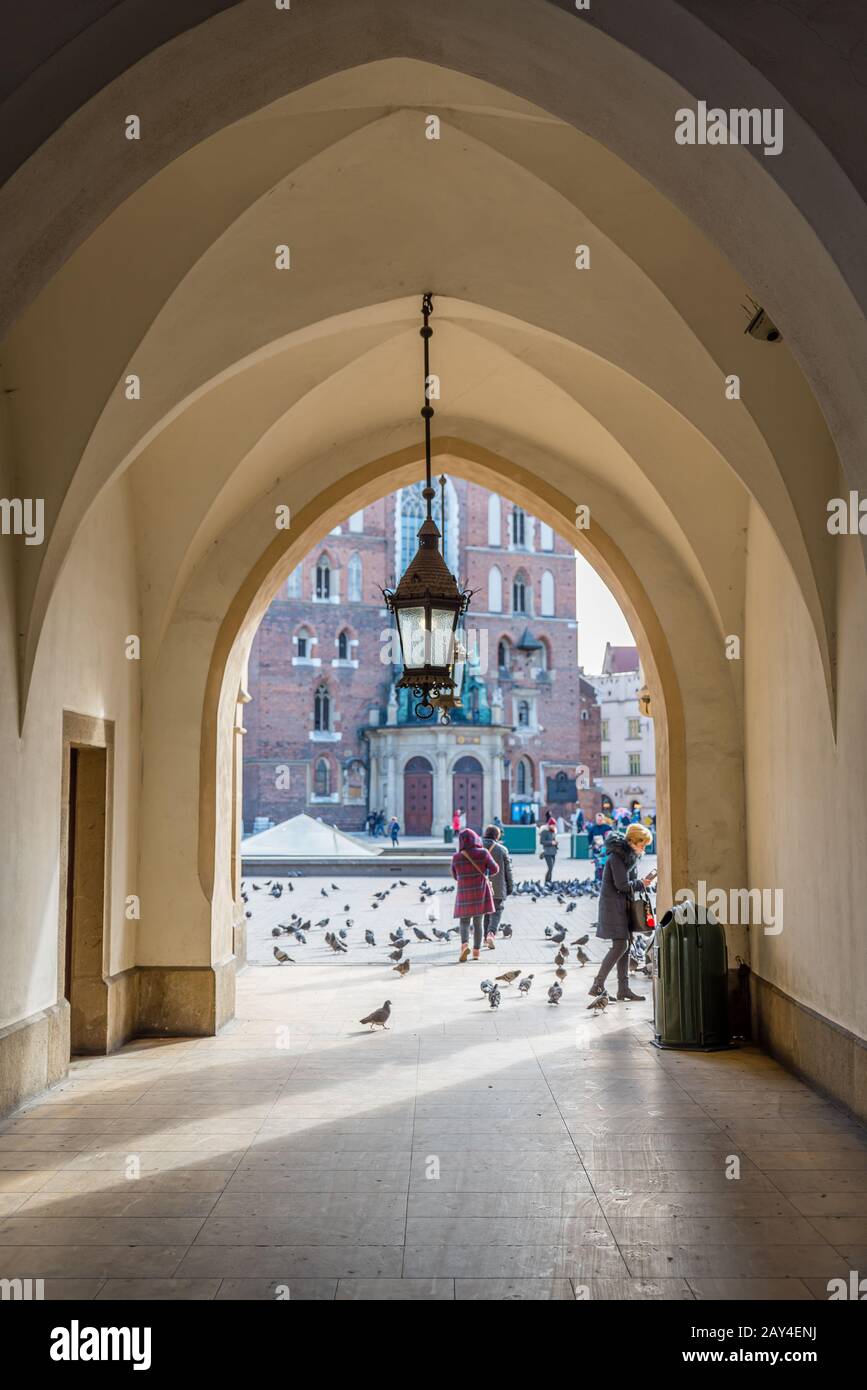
[
  {"x": 823, "y": 1053},
  {"x": 34, "y": 1054},
  {"x": 177, "y": 1001}
]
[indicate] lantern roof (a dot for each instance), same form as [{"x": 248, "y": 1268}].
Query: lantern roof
[{"x": 427, "y": 574}]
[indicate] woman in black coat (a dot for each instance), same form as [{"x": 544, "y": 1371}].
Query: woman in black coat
[{"x": 621, "y": 872}]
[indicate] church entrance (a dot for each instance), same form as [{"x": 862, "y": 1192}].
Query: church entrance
[
  {"x": 417, "y": 797},
  {"x": 468, "y": 791}
]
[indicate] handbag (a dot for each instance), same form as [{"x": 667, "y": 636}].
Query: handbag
[{"x": 639, "y": 908}]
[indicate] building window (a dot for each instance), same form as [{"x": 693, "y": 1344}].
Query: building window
[
  {"x": 634, "y": 728},
  {"x": 293, "y": 584},
  {"x": 495, "y": 590},
  {"x": 495, "y": 524},
  {"x": 605, "y": 736},
  {"x": 323, "y": 579},
  {"x": 412, "y": 513},
  {"x": 519, "y": 594},
  {"x": 343, "y": 647},
  {"x": 547, "y": 594},
  {"x": 302, "y": 644},
  {"x": 322, "y": 778},
  {"x": 519, "y": 528},
  {"x": 524, "y": 778},
  {"x": 546, "y": 537},
  {"x": 523, "y": 713},
  {"x": 606, "y": 765},
  {"x": 354, "y": 580},
  {"x": 635, "y": 764},
  {"x": 356, "y": 521},
  {"x": 322, "y": 710},
  {"x": 504, "y": 654}
]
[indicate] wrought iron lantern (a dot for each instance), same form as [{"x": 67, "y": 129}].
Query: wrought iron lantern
[{"x": 428, "y": 602}]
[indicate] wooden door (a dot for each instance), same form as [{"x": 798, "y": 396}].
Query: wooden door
[
  {"x": 418, "y": 797},
  {"x": 468, "y": 792}
]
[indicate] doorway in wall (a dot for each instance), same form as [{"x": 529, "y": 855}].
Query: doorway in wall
[
  {"x": 468, "y": 791},
  {"x": 418, "y": 797}
]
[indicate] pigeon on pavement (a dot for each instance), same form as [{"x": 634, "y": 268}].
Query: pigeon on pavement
[
  {"x": 524, "y": 985},
  {"x": 494, "y": 997},
  {"x": 599, "y": 1004},
  {"x": 509, "y": 976},
  {"x": 281, "y": 956},
  {"x": 555, "y": 994},
  {"x": 403, "y": 967},
  {"x": 369, "y": 937},
  {"x": 422, "y": 935},
  {"x": 379, "y": 1018}
]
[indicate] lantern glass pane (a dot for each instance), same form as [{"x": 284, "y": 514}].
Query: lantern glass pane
[
  {"x": 412, "y": 637},
  {"x": 442, "y": 626}
]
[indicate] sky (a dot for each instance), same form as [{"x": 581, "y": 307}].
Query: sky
[{"x": 599, "y": 619}]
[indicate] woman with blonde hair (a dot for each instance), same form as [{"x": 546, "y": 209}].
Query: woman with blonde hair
[{"x": 618, "y": 880}]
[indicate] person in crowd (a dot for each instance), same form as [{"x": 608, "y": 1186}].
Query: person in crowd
[
  {"x": 394, "y": 831},
  {"x": 371, "y": 822},
  {"x": 502, "y": 883},
  {"x": 456, "y": 820},
  {"x": 579, "y": 822},
  {"x": 599, "y": 828},
  {"x": 472, "y": 867},
  {"x": 623, "y": 853},
  {"x": 379, "y": 828},
  {"x": 498, "y": 823},
  {"x": 548, "y": 841},
  {"x": 598, "y": 855}
]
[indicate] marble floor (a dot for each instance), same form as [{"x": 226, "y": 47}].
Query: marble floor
[{"x": 533, "y": 1152}]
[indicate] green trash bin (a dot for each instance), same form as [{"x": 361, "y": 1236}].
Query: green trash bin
[
  {"x": 690, "y": 980},
  {"x": 581, "y": 845},
  {"x": 519, "y": 839},
  {"x": 448, "y": 835}
]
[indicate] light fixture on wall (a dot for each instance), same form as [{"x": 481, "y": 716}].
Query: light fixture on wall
[{"x": 428, "y": 602}]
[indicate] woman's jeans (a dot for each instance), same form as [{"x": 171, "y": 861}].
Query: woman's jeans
[
  {"x": 618, "y": 955},
  {"x": 478, "y": 924},
  {"x": 549, "y": 860},
  {"x": 492, "y": 919}
]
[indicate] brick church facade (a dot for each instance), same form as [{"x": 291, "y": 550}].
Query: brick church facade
[{"x": 328, "y": 734}]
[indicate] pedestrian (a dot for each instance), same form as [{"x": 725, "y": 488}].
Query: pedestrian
[
  {"x": 371, "y": 822},
  {"x": 619, "y": 878},
  {"x": 379, "y": 827},
  {"x": 394, "y": 831},
  {"x": 502, "y": 883},
  {"x": 548, "y": 841},
  {"x": 499, "y": 824},
  {"x": 472, "y": 867},
  {"x": 456, "y": 821}
]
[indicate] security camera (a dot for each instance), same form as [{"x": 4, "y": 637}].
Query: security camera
[{"x": 761, "y": 325}]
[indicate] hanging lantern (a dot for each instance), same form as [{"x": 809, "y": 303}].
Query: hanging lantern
[{"x": 428, "y": 602}]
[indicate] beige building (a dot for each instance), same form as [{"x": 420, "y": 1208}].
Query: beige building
[
  {"x": 628, "y": 750},
  {"x": 209, "y": 323}
]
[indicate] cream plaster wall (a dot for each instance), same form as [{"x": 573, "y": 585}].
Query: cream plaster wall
[{"x": 807, "y": 795}]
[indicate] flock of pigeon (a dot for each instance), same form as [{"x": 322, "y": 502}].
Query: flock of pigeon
[{"x": 564, "y": 895}]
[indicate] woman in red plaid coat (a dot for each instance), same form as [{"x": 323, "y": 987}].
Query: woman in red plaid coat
[{"x": 472, "y": 866}]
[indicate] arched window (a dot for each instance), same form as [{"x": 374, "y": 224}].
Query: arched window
[
  {"x": 519, "y": 528},
  {"x": 304, "y": 643},
  {"x": 323, "y": 578},
  {"x": 523, "y": 713},
  {"x": 354, "y": 580},
  {"x": 343, "y": 646},
  {"x": 322, "y": 710},
  {"x": 322, "y": 778},
  {"x": 548, "y": 594},
  {"x": 495, "y": 590},
  {"x": 543, "y": 655},
  {"x": 412, "y": 513},
  {"x": 519, "y": 594},
  {"x": 294, "y": 582},
  {"x": 546, "y": 537},
  {"x": 524, "y": 778},
  {"x": 495, "y": 521},
  {"x": 504, "y": 655}
]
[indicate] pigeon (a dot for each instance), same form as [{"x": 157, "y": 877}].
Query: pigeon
[
  {"x": 494, "y": 997},
  {"x": 379, "y": 1018},
  {"x": 440, "y": 935},
  {"x": 509, "y": 976},
  {"x": 560, "y": 973},
  {"x": 289, "y": 886},
  {"x": 248, "y": 914},
  {"x": 524, "y": 985},
  {"x": 323, "y": 892},
  {"x": 282, "y": 957},
  {"x": 581, "y": 940},
  {"x": 408, "y": 923},
  {"x": 555, "y": 994},
  {"x": 559, "y": 958},
  {"x": 401, "y": 882},
  {"x": 346, "y": 907},
  {"x": 582, "y": 956},
  {"x": 558, "y": 935},
  {"x": 324, "y": 922},
  {"x": 421, "y": 935},
  {"x": 336, "y": 889},
  {"x": 276, "y": 891},
  {"x": 397, "y": 936},
  {"x": 374, "y": 906},
  {"x": 396, "y": 955},
  {"x": 350, "y": 922},
  {"x": 486, "y": 986},
  {"x": 549, "y": 931},
  {"x": 256, "y": 887},
  {"x": 300, "y": 937},
  {"x": 403, "y": 967},
  {"x": 571, "y": 907},
  {"x": 275, "y": 931},
  {"x": 342, "y": 933},
  {"x": 599, "y": 1004},
  {"x": 369, "y": 937}
]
